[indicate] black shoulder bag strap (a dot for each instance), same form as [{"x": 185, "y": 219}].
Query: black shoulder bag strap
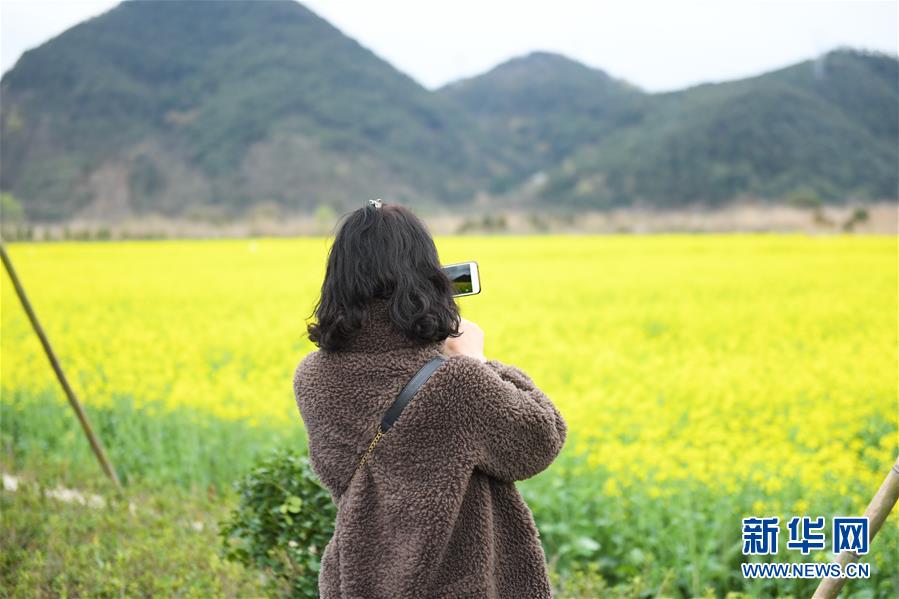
[{"x": 401, "y": 401}]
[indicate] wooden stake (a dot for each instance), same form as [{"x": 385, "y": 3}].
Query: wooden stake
[
  {"x": 877, "y": 512},
  {"x": 82, "y": 417}
]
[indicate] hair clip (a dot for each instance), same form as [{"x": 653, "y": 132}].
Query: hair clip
[{"x": 375, "y": 203}]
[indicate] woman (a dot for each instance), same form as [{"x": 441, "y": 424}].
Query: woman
[{"x": 434, "y": 511}]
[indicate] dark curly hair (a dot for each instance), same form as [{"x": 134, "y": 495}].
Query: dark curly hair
[{"x": 384, "y": 253}]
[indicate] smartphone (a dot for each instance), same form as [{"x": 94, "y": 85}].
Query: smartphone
[{"x": 465, "y": 278}]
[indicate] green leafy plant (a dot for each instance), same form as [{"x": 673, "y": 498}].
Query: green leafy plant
[{"x": 282, "y": 523}]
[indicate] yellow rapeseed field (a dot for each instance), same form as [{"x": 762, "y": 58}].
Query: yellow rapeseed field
[{"x": 726, "y": 361}]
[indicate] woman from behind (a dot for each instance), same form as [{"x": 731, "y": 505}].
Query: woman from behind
[{"x": 432, "y": 511}]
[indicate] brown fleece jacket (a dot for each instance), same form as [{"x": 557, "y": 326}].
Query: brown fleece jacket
[{"x": 434, "y": 512}]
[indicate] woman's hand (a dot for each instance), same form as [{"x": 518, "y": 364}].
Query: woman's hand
[{"x": 469, "y": 343}]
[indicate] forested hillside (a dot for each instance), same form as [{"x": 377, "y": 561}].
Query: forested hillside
[
  {"x": 172, "y": 105},
  {"x": 826, "y": 127},
  {"x": 203, "y": 109}
]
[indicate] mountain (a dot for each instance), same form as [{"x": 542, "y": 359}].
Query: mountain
[
  {"x": 829, "y": 126},
  {"x": 217, "y": 106},
  {"x": 212, "y": 109},
  {"x": 537, "y": 109}
]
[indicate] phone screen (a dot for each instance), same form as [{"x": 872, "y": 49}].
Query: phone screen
[{"x": 464, "y": 278}]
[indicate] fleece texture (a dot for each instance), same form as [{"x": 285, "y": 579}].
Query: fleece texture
[{"x": 434, "y": 512}]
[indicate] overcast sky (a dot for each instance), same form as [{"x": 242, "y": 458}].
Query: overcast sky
[{"x": 658, "y": 45}]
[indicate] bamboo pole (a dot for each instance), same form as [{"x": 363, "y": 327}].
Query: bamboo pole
[
  {"x": 70, "y": 394},
  {"x": 877, "y": 512}
]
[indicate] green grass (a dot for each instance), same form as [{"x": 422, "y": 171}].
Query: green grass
[
  {"x": 181, "y": 446},
  {"x": 166, "y": 548},
  {"x": 180, "y": 465}
]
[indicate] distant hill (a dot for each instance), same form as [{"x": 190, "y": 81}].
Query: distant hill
[
  {"x": 215, "y": 108},
  {"x": 827, "y": 126},
  {"x": 537, "y": 109},
  {"x": 173, "y": 105}
]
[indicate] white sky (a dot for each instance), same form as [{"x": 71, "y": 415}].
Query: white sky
[{"x": 658, "y": 45}]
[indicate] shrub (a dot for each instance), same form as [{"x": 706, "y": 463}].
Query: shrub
[
  {"x": 858, "y": 216},
  {"x": 282, "y": 523}
]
